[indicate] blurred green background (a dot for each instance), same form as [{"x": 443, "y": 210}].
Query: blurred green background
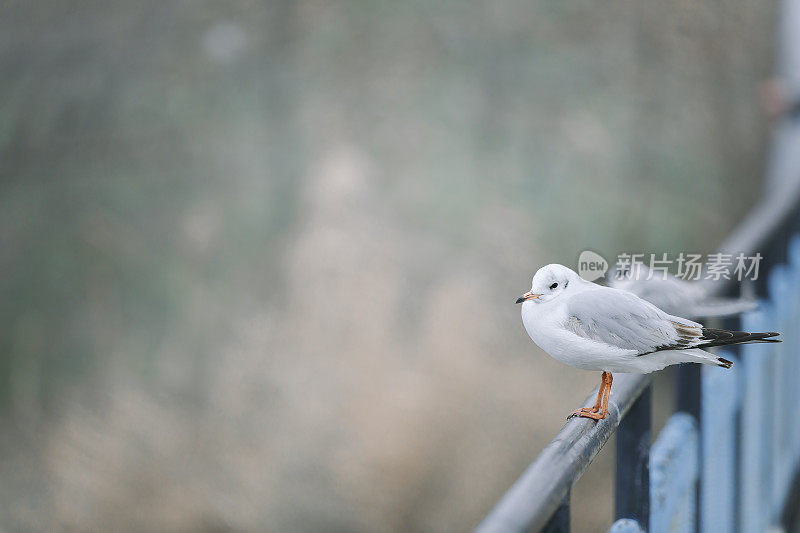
[{"x": 259, "y": 259}]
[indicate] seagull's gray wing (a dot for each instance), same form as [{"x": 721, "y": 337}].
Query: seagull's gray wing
[{"x": 624, "y": 320}]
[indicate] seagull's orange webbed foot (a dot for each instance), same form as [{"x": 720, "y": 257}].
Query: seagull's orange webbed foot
[
  {"x": 580, "y": 413},
  {"x": 577, "y": 412}
]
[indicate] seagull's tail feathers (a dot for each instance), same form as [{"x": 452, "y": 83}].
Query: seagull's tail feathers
[
  {"x": 722, "y": 337},
  {"x": 696, "y": 355}
]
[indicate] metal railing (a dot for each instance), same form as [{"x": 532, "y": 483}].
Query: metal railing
[
  {"x": 541, "y": 495},
  {"x": 540, "y": 499}
]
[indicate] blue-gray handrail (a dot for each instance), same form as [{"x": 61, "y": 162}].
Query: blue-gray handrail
[
  {"x": 539, "y": 500},
  {"x": 537, "y": 495}
]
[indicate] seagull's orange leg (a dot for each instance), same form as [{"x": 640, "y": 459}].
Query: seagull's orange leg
[
  {"x": 603, "y": 395},
  {"x": 609, "y": 380},
  {"x": 600, "y": 394}
]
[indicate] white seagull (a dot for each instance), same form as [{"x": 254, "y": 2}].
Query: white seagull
[
  {"x": 674, "y": 295},
  {"x": 592, "y": 327}
]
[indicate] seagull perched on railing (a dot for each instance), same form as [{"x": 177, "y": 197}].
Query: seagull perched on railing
[
  {"x": 676, "y": 296},
  {"x": 592, "y": 327}
]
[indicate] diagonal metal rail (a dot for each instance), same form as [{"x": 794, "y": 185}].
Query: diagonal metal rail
[
  {"x": 533, "y": 502},
  {"x": 539, "y": 500},
  {"x": 538, "y": 493}
]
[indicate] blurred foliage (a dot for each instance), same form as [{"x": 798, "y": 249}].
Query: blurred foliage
[{"x": 163, "y": 163}]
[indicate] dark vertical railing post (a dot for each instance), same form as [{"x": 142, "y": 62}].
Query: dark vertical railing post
[
  {"x": 732, "y": 323},
  {"x": 688, "y": 399},
  {"x": 632, "y": 494},
  {"x": 688, "y": 390},
  {"x": 559, "y": 522}
]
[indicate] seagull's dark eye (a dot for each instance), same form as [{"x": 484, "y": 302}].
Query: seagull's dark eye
[{"x": 553, "y": 286}]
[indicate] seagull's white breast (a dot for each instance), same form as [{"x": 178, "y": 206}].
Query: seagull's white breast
[{"x": 545, "y": 324}]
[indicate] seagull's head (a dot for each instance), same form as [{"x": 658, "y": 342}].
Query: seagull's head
[{"x": 549, "y": 282}]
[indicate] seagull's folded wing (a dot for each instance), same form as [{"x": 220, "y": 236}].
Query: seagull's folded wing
[{"x": 621, "y": 319}]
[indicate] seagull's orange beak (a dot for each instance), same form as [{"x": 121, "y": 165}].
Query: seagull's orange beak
[{"x": 528, "y": 296}]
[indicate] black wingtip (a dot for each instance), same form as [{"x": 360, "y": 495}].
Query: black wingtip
[{"x": 722, "y": 337}]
